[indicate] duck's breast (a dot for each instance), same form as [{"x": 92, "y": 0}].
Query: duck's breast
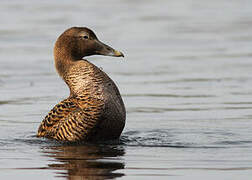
[{"x": 114, "y": 114}]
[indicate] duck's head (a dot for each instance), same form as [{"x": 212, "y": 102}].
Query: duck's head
[{"x": 78, "y": 42}]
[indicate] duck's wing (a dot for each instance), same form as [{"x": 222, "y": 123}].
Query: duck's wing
[{"x": 73, "y": 119}]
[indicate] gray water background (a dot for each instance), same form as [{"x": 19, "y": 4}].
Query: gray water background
[{"x": 186, "y": 82}]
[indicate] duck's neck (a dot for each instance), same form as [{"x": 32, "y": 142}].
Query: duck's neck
[{"x": 76, "y": 75}]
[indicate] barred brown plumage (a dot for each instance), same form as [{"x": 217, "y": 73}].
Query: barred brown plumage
[{"x": 94, "y": 110}]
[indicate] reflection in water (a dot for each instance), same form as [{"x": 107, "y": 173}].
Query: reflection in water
[{"x": 87, "y": 161}]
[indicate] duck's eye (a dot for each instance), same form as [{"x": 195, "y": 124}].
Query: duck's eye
[{"x": 85, "y": 37}]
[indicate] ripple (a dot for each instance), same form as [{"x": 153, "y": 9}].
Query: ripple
[
  {"x": 166, "y": 138},
  {"x": 168, "y": 95},
  {"x": 24, "y": 100},
  {"x": 234, "y": 142},
  {"x": 159, "y": 110},
  {"x": 157, "y": 138}
]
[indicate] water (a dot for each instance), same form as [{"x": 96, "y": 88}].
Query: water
[{"x": 186, "y": 81}]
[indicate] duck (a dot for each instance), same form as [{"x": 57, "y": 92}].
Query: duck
[{"x": 94, "y": 110}]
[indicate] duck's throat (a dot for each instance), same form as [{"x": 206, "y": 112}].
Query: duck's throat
[{"x": 80, "y": 78}]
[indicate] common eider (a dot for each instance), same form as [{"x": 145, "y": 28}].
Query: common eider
[{"x": 94, "y": 110}]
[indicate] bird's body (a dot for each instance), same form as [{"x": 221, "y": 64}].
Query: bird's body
[{"x": 93, "y": 111}]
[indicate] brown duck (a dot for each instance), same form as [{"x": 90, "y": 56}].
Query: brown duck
[{"x": 94, "y": 110}]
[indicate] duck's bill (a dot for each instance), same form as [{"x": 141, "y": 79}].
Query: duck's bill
[
  {"x": 103, "y": 49},
  {"x": 116, "y": 53}
]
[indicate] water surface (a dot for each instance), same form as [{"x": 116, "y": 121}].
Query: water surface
[{"x": 186, "y": 82}]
